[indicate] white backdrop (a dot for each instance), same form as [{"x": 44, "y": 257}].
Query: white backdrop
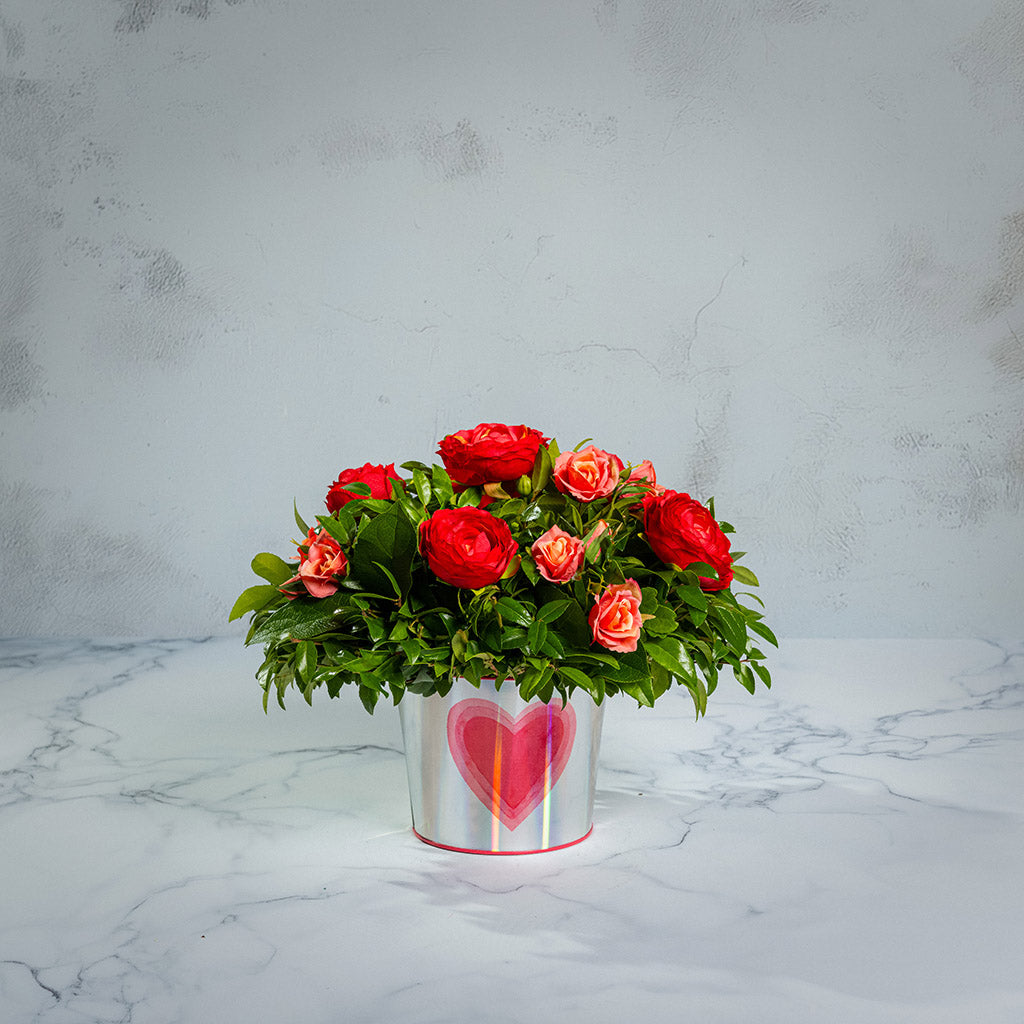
[{"x": 776, "y": 246}]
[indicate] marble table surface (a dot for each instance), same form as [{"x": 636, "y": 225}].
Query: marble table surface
[{"x": 846, "y": 847}]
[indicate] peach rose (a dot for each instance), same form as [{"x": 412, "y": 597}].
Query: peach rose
[
  {"x": 558, "y": 555},
  {"x": 321, "y": 560},
  {"x": 615, "y": 619},
  {"x": 587, "y": 474}
]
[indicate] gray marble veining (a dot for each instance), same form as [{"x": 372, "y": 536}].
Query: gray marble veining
[{"x": 843, "y": 848}]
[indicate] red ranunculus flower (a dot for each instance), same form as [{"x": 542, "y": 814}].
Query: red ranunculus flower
[
  {"x": 615, "y": 619},
  {"x": 467, "y": 547},
  {"x": 682, "y": 531},
  {"x": 319, "y": 564},
  {"x": 490, "y": 453},
  {"x": 588, "y": 474},
  {"x": 377, "y": 478}
]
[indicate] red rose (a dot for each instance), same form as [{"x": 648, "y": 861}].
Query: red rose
[
  {"x": 558, "y": 555},
  {"x": 377, "y": 478},
  {"x": 615, "y": 619},
  {"x": 587, "y": 474},
  {"x": 321, "y": 560},
  {"x": 490, "y": 453},
  {"x": 467, "y": 547},
  {"x": 682, "y": 531}
]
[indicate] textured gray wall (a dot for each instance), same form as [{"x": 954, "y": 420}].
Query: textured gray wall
[{"x": 776, "y": 246}]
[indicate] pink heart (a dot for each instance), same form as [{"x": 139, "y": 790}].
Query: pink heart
[{"x": 509, "y": 763}]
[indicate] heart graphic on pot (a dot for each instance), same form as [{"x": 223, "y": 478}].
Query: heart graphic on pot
[{"x": 510, "y": 763}]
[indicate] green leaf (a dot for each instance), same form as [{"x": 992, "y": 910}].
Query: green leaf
[
  {"x": 411, "y": 648},
  {"x": 699, "y": 694},
  {"x": 442, "y": 485},
  {"x": 669, "y": 652},
  {"x": 745, "y": 676},
  {"x": 734, "y": 630},
  {"x": 338, "y": 529},
  {"x": 628, "y": 669},
  {"x": 661, "y": 679},
  {"x": 305, "y": 661},
  {"x": 643, "y": 695},
  {"x": 692, "y": 596},
  {"x": 375, "y": 627},
  {"x": 273, "y": 569},
  {"x": 513, "y": 639},
  {"x": 394, "y": 583},
  {"x": 704, "y": 569},
  {"x": 537, "y": 634},
  {"x": 664, "y": 621},
  {"x": 578, "y": 678},
  {"x": 252, "y": 600},
  {"x": 459, "y": 642},
  {"x": 512, "y": 611},
  {"x": 302, "y": 619},
  {"x": 386, "y": 540},
  {"x": 541, "y": 469},
  {"x": 553, "y": 646},
  {"x": 573, "y": 626},
  {"x": 535, "y": 680},
  {"x": 758, "y": 627},
  {"x": 369, "y": 696},
  {"x": 422, "y": 484},
  {"x": 743, "y": 575},
  {"x": 298, "y": 520},
  {"x": 552, "y": 610}
]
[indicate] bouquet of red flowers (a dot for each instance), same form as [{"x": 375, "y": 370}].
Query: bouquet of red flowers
[{"x": 514, "y": 561}]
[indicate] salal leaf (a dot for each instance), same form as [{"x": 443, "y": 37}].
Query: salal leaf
[
  {"x": 442, "y": 485},
  {"x": 512, "y": 611},
  {"x": 762, "y": 630},
  {"x": 734, "y": 630},
  {"x": 552, "y": 610},
  {"x": 305, "y": 661},
  {"x": 743, "y": 575},
  {"x": 302, "y": 619},
  {"x": 669, "y": 652},
  {"x": 421, "y": 482},
  {"x": 273, "y": 569},
  {"x": 252, "y": 600},
  {"x": 386, "y": 540},
  {"x": 578, "y": 678}
]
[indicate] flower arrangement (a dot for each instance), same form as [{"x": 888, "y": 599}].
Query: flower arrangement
[{"x": 513, "y": 561}]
